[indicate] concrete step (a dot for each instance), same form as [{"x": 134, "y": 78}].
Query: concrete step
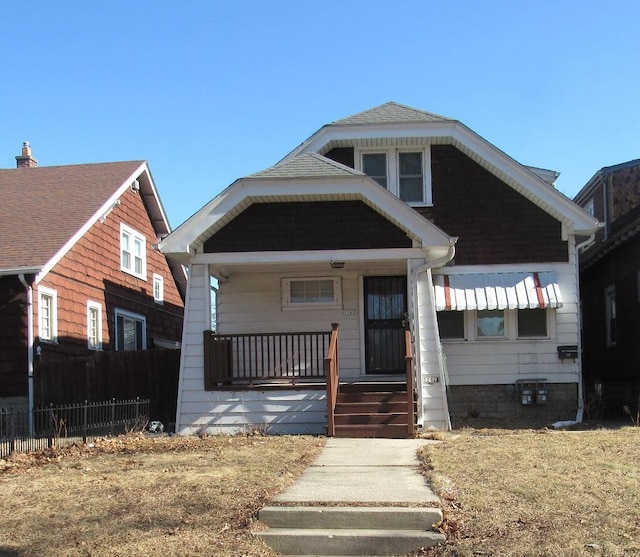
[
  {"x": 292, "y": 541},
  {"x": 387, "y": 518}
]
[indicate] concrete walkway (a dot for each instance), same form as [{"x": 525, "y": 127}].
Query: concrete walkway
[{"x": 380, "y": 471}]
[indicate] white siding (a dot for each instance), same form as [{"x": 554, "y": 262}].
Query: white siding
[{"x": 481, "y": 362}]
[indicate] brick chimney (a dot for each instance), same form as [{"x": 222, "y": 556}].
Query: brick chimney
[{"x": 26, "y": 160}]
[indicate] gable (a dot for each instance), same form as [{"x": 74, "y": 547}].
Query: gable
[{"x": 298, "y": 226}]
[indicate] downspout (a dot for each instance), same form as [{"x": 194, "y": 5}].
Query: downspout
[
  {"x": 414, "y": 284},
  {"x": 580, "y": 412},
  {"x": 29, "y": 290}
]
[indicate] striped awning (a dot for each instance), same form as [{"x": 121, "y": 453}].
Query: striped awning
[{"x": 497, "y": 291}]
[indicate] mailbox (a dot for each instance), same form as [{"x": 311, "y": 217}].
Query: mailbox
[{"x": 568, "y": 352}]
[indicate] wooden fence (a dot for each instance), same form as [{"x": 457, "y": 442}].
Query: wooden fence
[{"x": 151, "y": 374}]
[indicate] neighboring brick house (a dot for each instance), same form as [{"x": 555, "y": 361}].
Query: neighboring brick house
[
  {"x": 390, "y": 219},
  {"x": 610, "y": 289},
  {"x": 78, "y": 271}
]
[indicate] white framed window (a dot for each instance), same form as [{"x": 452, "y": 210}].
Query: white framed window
[
  {"x": 451, "y": 325},
  {"x": 404, "y": 172},
  {"x": 316, "y": 292},
  {"x": 47, "y": 314},
  {"x": 533, "y": 323},
  {"x": 610, "y": 315},
  {"x": 158, "y": 288},
  {"x": 131, "y": 331},
  {"x": 94, "y": 325},
  {"x": 133, "y": 252},
  {"x": 490, "y": 323},
  {"x": 590, "y": 207}
]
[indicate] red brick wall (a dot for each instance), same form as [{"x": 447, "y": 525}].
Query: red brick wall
[{"x": 91, "y": 271}]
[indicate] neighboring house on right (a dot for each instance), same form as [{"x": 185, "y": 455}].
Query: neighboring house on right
[{"x": 610, "y": 289}]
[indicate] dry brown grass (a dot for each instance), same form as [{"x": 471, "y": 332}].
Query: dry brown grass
[
  {"x": 136, "y": 496},
  {"x": 538, "y": 493}
]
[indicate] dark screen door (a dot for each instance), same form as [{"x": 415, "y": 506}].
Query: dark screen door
[{"x": 385, "y": 303}]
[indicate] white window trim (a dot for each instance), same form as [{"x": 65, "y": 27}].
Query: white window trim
[
  {"x": 134, "y": 234},
  {"x": 507, "y": 326},
  {"x": 53, "y": 294},
  {"x": 124, "y": 313},
  {"x": 393, "y": 169},
  {"x": 286, "y": 294},
  {"x": 91, "y": 305},
  {"x": 159, "y": 280}
]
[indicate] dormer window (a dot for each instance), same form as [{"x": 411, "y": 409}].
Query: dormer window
[{"x": 406, "y": 174}]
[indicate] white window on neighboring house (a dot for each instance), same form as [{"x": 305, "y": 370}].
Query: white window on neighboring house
[
  {"x": 94, "y": 325},
  {"x": 131, "y": 331},
  {"x": 133, "y": 252},
  {"x": 48, "y": 314},
  {"x": 610, "y": 315},
  {"x": 590, "y": 207},
  {"x": 158, "y": 288},
  {"x": 405, "y": 173},
  {"x": 311, "y": 293}
]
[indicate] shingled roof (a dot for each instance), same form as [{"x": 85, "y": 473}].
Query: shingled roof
[
  {"x": 43, "y": 207},
  {"x": 307, "y": 165},
  {"x": 390, "y": 113}
]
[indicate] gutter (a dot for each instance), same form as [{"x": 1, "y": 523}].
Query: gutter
[{"x": 29, "y": 290}]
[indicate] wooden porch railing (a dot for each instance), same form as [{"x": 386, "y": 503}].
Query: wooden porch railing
[
  {"x": 408, "y": 362},
  {"x": 247, "y": 358},
  {"x": 332, "y": 371}
]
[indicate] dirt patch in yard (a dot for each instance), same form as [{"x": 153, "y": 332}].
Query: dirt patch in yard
[{"x": 133, "y": 495}]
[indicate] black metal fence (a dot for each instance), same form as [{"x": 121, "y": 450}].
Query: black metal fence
[{"x": 61, "y": 425}]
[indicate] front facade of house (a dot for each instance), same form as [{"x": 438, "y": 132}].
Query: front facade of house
[
  {"x": 391, "y": 220},
  {"x": 610, "y": 290},
  {"x": 83, "y": 276}
]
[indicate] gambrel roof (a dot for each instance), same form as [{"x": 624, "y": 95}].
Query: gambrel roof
[{"x": 45, "y": 210}]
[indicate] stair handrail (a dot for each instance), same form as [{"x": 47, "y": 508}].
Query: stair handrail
[
  {"x": 332, "y": 372},
  {"x": 408, "y": 362}
]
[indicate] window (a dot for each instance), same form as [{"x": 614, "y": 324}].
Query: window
[
  {"x": 158, "y": 289},
  {"x": 311, "y": 292},
  {"x": 410, "y": 177},
  {"x": 375, "y": 166},
  {"x": 131, "y": 331},
  {"x": 406, "y": 174},
  {"x": 451, "y": 324},
  {"x": 490, "y": 323},
  {"x": 532, "y": 323},
  {"x": 94, "y": 326},
  {"x": 610, "y": 315},
  {"x": 133, "y": 252},
  {"x": 48, "y": 314},
  {"x": 590, "y": 207}
]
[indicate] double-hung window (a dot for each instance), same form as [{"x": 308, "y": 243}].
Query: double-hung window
[
  {"x": 48, "y": 314},
  {"x": 158, "y": 289},
  {"x": 133, "y": 252},
  {"x": 131, "y": 331},
  {"x": 94, "y": 325},
  {"x": 406, "y": 174}
]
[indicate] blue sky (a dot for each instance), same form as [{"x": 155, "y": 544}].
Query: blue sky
[{"x": 210, "y": 91}]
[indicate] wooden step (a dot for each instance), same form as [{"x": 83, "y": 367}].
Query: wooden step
[
  {"x": 398, "y": 418},
  {"x": 379, "y": 431},
  {"x": 370, "y": 407},
  {"x": 364, "y": 386},
  {"x": 372, "y": 397}
]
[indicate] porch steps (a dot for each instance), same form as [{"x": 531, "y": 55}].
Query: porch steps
[
  {"x": 350, "y": 530},
  {"x": 372, "y": 410}
]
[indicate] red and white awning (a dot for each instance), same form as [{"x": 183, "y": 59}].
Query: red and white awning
[{"x": 458, "y": 292}]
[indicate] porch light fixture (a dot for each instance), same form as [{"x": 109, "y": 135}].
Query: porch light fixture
[{"x": 336, "y": 264}]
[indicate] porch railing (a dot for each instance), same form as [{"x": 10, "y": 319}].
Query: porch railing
[
  {"x": 332, "y": 371},
  {"x": 250, "y": 358},
  {"x": 408, "y": 362}
]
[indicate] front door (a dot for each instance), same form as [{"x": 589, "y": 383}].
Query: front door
[{"x": 385, "y": 307}]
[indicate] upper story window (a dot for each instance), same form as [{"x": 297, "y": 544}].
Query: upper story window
[
  {"x": 590, "y": 207},
  {"x": 48, "y": 314},
  {"x": 405, "y": 173},
  {"x": 133, "y": 252},
  {"x": 158, "y": 289},
  {"x": 94, "y": 326}
]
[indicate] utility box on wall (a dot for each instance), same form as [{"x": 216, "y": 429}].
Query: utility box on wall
[{"x": 532, "y": 391}]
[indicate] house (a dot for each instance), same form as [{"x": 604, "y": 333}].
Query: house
[
  {"x": 78, "y": 272},
  {"x": 448, "y": 269},
  {"x": 610, "y": 289}
]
